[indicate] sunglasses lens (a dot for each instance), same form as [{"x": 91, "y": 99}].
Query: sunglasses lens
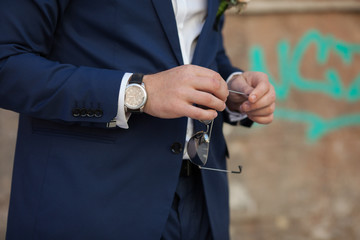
[{"x": 198, "y": 148}]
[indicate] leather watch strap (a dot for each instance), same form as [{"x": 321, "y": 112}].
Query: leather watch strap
[{"x": 136, "y": 78}]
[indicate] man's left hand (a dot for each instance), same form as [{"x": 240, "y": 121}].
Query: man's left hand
[{"x": 260, "y": 105}]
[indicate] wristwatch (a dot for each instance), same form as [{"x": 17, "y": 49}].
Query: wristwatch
[{"x": 135, "y": 94}]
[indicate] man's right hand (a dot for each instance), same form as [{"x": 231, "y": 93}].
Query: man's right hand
[{"x": 179, "y": 91}]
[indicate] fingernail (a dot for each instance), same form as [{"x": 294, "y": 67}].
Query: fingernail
[
  {"x": 252, "y": 97},
  {"x": 245, "y": 106}
]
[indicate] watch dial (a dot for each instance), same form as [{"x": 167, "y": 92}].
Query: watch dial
[{"x": 134, "y": 97}]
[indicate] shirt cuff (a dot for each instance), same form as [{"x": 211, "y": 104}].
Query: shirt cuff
[
  {"x": 122, "y": 117},
  {"x": 234, "y": 116}
]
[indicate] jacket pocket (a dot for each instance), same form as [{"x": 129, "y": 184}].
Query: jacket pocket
[{"x": 51, "y": 128}]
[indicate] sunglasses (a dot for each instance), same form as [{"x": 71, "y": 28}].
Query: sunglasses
[{"x": 199, "y": 144}]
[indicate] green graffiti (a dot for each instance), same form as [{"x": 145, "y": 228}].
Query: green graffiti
[{"x": 290, "y": 77}]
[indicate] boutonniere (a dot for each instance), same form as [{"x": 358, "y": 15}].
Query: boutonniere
[{"x": 239, "y": 5}]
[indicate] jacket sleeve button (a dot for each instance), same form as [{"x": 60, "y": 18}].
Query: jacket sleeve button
[
  {"x": 90, "y": 113},
  {"x": 98, "y": 113},
  {"x": 176, "y": 148},
  {"x": 76, "y": 112},
  {"x": 83, "y": 112}
]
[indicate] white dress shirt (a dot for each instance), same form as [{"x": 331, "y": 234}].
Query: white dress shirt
[{"x": 190, "y": 18}]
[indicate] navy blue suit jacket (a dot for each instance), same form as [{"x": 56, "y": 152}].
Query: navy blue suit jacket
[{"x": 61, "y": 64}]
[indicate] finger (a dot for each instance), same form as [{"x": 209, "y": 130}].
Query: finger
[
  {"x": 260, "y": 82},
  {"x": 197, "y": 71},
  {"x": 265, "y": 101},
  {"x": 206, "y": 99},
  {"x": 262, "y": 119},
  {"x": 263, "y": 112},
  {"x": 213, "y": 85},
  {"x": 200, "y": 113},
  {"x": 259, "y": 91},
  {"x": 203, "y": 72}
]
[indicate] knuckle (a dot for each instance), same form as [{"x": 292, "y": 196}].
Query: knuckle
[
  {"x": 272, "y": 108},
  {"x": 181, "y": 93},
  {"x": 215, "y": 83},
  {"x": 263, "y": 75},
  {"x": 272, "y": 95},
  {"x": 270, "y": 118},
  {"x": 183, "y": 110},
  {"x": 186, "y": 77},
  {"x": 187, "y": 67},
  {"x": 186, "y": 72},
  {"x": 216, "y": 75},
  {"x": 209, "y": 99},
  {"x": 273, "y": 98}
]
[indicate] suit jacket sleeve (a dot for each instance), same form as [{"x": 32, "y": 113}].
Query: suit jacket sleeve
[{"x": 32, "y": 84}]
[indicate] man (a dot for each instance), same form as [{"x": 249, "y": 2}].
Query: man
[{"x": 92, "y": 164}]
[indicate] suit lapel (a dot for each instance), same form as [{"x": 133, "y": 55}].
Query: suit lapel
[
  {"x": 166, "y": 15},
  {"x": 212, "y": 9},
  {"x": 164, "y": 10},
  {"x": 205, "y": 38}
]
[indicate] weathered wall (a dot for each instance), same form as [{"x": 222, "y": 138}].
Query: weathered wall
[
  {"x": 300, "y": 178},
  {"x": 8, "y": 130}
]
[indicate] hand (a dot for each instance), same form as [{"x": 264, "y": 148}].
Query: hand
[
  {"x": 260, "y": 105},
  {"x": 177, "y": 92}
]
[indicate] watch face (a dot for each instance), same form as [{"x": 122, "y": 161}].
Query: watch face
[{"x": 135, "y": 96}]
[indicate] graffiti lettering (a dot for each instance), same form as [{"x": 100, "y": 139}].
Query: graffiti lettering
[{"x": 291, "y": 77}]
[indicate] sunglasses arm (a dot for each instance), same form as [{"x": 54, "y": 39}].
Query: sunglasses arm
[{"x": 222, "y": 170}]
